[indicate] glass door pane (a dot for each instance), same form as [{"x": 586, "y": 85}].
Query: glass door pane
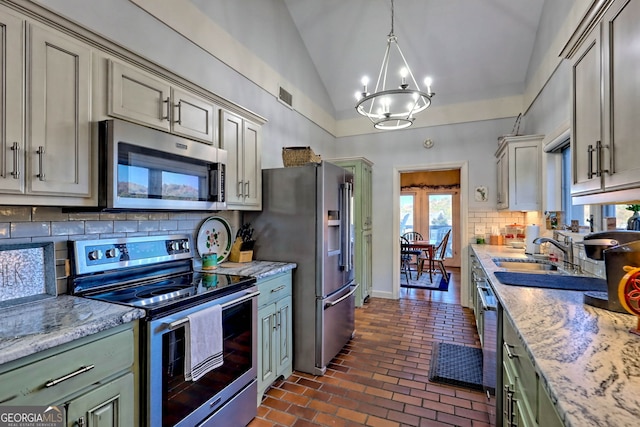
[
  {"x": 407, "y": 203},
  {"x": 441, "y": 218}
]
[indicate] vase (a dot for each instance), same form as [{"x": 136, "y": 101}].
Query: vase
[{"x": 633, "y": 223}]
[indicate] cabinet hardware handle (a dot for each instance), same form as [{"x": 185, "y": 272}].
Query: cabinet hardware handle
[
  {"x": 599, "y": 156},
  {"x": 82, "y": 370},
  {"x": 80, "y": 422},
  {"x": 507, "y": 348},
  {"x": 8, "y": 399},
  {"x": 275, "y": 322},
  {"x": 590, "y": 151},
  {"x": 278, "y": 316},
  {"x": 40, "y": 153},
  {"x": 167, "y": 118},
  {"x": 278, "y": 289},
  {"x": 179, "y": 106},
  {"x": 509, "y": 406},
  {"x": 16, "y": 164},
  {"x": 215, "y": 402},
  {"x": 246, "y": 189}
]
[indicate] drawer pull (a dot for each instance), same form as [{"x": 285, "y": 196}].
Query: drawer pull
[
  {"x": 82, "y": 370},
  {"x": 278, "y": 289},
  {"x": 507, "y": 348}
]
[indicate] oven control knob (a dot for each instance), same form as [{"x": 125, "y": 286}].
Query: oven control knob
[
  {"x": 113, "y": 253},
  {"x": 174, "y": 246},
  {"x": 185, "y": 245},
  {"x": 95, "y": 255}
]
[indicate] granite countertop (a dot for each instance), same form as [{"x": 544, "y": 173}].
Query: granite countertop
[
  {"x": 586, "y": 356},
  {"x": 36, "y": 326},
  {"x": 257, "y": 269}
]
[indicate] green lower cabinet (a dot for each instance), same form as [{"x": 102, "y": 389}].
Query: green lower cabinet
[
  {"x": 93, "y": 377},
  {"x": 275, "y": 331},
  {"x": 524, "y": 401},
  {"x": 109, "y": 405}
]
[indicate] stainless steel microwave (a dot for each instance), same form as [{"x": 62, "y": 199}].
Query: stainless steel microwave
[{"x": 144, "y": 168}]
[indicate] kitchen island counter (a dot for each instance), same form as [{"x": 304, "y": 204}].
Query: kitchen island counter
[
  {"x": 37, "y": 326},
  {"x": 586, "y": 358},
  {"x": 257, "y": 269}
]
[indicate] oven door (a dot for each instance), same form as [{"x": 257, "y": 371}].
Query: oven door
[{"x": 173, "y": 401}]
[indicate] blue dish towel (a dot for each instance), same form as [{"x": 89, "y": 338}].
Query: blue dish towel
[{"x": 552, "y": 281}]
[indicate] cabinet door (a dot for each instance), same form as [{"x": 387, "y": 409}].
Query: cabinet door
[
  {"x": 193, "y": 117},
  {"x": 266, "y": 348},
  {"x": 231, "y": 140},
  {"x": 252, "y": 166},
  {"x": 585, "y": 107},
  {"x": 58, "y": 128},
  {"x": 138, "y": 96},
  {"x": 621, "y": 62},
  {"x": 284, "y": 353},
  {"x": 503, "y": 180},
  {"x": 524, "y": 176},
  {"x": 11, "y": 106},
  {"x": 110, "y": 405}
]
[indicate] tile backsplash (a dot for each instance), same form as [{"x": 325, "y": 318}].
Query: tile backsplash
[{"x": 26, "y": 224}]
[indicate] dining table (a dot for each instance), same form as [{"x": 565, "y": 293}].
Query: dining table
[{"x": 427, "y": 246}]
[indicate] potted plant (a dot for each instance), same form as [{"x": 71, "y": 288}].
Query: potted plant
[{"x": 634, "y": 221}]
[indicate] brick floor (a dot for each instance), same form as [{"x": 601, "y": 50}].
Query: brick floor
[{"x": 380, "y": 379}]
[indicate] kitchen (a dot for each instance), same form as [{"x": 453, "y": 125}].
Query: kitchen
[{"x": 467, "y": 141}]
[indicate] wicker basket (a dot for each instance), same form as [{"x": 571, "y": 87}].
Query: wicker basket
[{"x": 298, "y": 156}]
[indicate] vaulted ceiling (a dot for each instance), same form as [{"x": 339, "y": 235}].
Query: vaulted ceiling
[{"x": 473, "y": 49}]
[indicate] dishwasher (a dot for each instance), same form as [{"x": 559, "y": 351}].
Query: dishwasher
[{"x": 486, "y": 312}]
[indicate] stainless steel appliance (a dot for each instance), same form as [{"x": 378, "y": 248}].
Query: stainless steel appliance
[
  {"x": 618, "y": 248},
  {"x": 306, "y": 219},
  {"x": 155, "y": 273},
  {"x": 144, "y": 168},
  {"x": 486, "y": 312}
]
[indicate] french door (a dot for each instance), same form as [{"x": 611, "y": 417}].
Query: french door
[{"x": 432, "y": 213}]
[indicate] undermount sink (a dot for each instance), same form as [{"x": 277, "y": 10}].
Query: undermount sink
[{"x": 529, "y": 266}]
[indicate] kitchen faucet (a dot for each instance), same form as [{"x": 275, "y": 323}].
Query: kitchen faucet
[{"x": 566, "y": 248}]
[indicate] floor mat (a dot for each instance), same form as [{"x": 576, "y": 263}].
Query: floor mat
[
  {"x": 457, "y": 365},
  {"x": 438, "y": 284}
]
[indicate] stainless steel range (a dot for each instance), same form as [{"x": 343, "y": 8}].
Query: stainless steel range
[{"x": 155, "y": 273}]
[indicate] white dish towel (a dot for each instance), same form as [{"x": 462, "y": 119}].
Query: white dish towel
[{"x": 203, "y": 342}]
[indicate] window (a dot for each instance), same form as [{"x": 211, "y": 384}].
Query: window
[{"x": 570, "y": 211}]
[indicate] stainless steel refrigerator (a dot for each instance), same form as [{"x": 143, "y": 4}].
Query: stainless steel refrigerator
[{"x": 306, "y": 218}]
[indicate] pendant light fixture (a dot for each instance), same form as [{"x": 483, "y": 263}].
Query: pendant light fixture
[{"x": 392, "y": 106}]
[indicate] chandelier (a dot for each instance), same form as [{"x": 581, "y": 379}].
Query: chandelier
[{"x": 393, "y": 107}]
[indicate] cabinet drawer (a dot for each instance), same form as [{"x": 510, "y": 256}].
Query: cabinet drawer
[
  {"x": 52, "y": 375},
  {"x": 274, "y": 288},
  {"x": 516, "y": 358}
]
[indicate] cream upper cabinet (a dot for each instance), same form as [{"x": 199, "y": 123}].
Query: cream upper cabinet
[
  {"x": 11, "y": 102},
  {"x": 519, "y": 169},
  {"x": 149, "y": 100},
  {"x": 241, "y": 139},
  {"x": 53, "y": 159},
  {"x": 58, "y": 119},
  {"x": 605, "y": 100}
]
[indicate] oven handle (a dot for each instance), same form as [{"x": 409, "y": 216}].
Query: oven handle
[{"x": 178, "y": 323}]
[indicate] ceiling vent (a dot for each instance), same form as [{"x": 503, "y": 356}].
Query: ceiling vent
[{"x": 286, "y": 98}]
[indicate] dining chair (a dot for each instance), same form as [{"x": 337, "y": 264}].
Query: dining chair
[
  {"x": 439, "y": 255},
  {"x": 412, "y": 235},
  {"x": 407, "y": 256}
]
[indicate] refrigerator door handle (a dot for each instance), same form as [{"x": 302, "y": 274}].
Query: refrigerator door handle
[
  {"x": 346, "y": 232},
  {"x": 342, "y": 298}
]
